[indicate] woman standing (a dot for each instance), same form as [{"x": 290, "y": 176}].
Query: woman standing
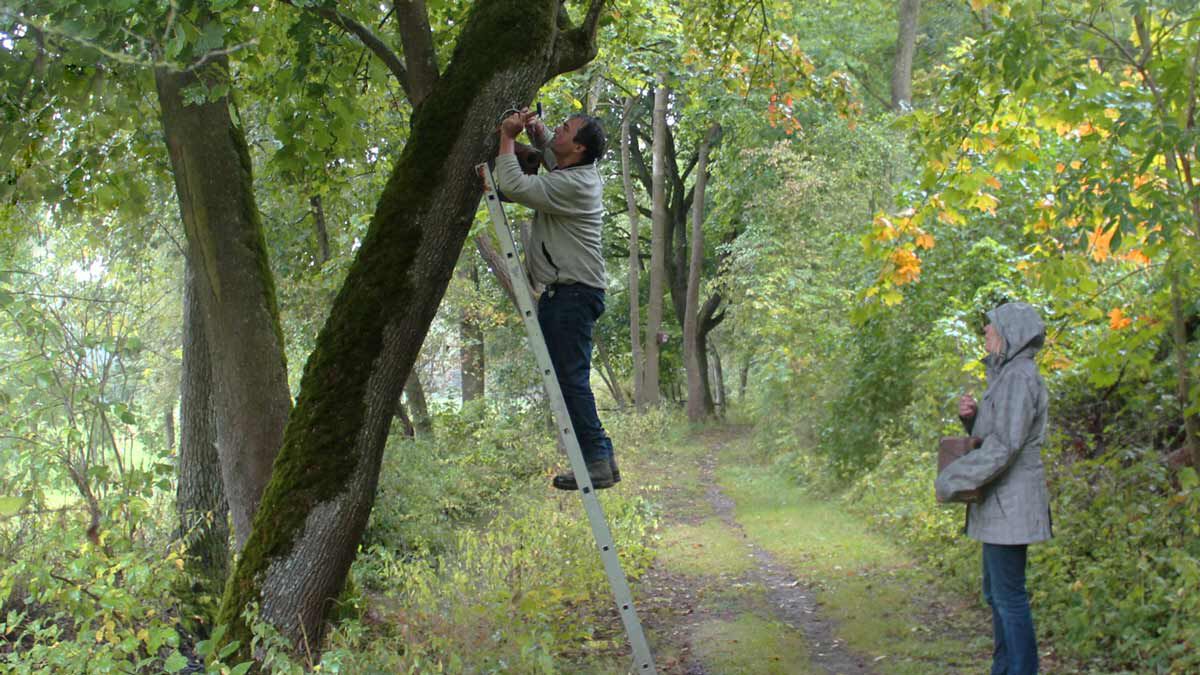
[{"x": 1015, "y": 510}]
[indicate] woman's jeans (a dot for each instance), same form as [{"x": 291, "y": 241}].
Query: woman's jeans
[
  {"x": 567, "y": 313},
  {"x": 1015, "y": 652}
]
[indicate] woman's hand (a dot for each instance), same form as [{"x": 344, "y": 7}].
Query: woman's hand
[{"x": 967, "y": 406}]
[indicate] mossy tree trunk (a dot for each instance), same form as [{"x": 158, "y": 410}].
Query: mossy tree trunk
[
  {"x": 234, "y": 285},
  {"x": 200, "y": 495},
  {"x": 316, "y": 505}
]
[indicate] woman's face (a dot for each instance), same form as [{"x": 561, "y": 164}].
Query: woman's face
[{"x": 992, "y": 341}]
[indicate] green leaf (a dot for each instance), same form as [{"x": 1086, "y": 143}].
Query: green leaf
[
  {"x": 229, "y": 649},
  {"x": 1188, "y": 479},
  {"x": 241, "y": 668},
  {"x": 175, "y": 663},
  {"x": 11, "y": 506}
]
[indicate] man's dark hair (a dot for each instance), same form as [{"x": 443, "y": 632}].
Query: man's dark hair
[{"x": 591, "y": 136}]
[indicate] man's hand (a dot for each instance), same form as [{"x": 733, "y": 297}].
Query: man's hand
[
  {"x": 512, "y": 125},
  {"x": 535, "y": 129},
  {"x": 967, "y": 407}
]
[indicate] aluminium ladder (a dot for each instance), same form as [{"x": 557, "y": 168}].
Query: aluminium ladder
[{"x": 643, "y": 661}]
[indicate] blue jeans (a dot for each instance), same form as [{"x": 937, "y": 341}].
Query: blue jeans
[
  {"x": 567, "y": 314},
  {"x": 1015, "y": 651}
]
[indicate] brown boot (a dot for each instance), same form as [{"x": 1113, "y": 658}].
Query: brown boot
[{"x": 600, "y": 471}]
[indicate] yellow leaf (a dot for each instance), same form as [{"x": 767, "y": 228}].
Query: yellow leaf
[
  {"x": 892, "y": 298},
  {"x": 1112, "y": 113},
  {"x": 925, "y": 240},
  {"x": 1076, "y": 164},
  {"x": 993, "y": 182}
]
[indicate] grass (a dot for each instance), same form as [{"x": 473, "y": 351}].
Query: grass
[
  {"x": 750, "y": 644},
  {"x": 709, "y": 548}
]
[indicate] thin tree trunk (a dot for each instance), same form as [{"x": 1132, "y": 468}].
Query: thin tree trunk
[
  {"x": 470, "y": 334},
  {"x": 415, "y": 393},
  {"x": 719, "y": 373},
  {"x": 693, "y": 352},
  {"x": 658, "y": 243},
  {"x": 635, "y": 331},
  {"x": 236, "y": 292},
  {"x": 317, "y": 504},
  {"x": 318, "y": 211},
  {"x": 906, "y": 43},
  {"x": 609, "y": 377},
  {"x": 200, "y": 494},
  {"x": 169, "y": 428},
  {"x": 743, "y": 378}
]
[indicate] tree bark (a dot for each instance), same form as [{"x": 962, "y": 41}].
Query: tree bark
[
  {"x": 694, "y": 354},
  {"x": 234, "y": 287},
  {"x": 658, "y": 243},
  {"x": 419, "y": 53},
  {"x": 906, "y": 43},
  {"x": 316, "y": 506},
  {"x": 470, "y": 335},
  {"x": 635, "y": 330},
  {"x": 200, "y": 494}
]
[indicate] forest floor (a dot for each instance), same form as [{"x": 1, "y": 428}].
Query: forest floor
[{"x": 754, "y": 576}]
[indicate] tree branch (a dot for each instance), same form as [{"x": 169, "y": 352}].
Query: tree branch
[
  {"x": 369, "y": 39},
  {"x": 576, "y": 46},
  {"x": 417, "y": 39}
]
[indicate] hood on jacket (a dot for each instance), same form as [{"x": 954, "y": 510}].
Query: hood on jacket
[{"x": 1021, "y": 327}]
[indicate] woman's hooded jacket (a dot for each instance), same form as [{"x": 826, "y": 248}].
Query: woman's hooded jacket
[{"x": 1011, "y": 420}]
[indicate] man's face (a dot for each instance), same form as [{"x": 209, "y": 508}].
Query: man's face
[{"x": 563, "y": 143}]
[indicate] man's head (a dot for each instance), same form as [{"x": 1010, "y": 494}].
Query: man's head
[{"x": 578, "y": 140}]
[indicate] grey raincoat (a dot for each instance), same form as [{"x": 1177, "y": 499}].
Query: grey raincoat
[{"x": 1011, "y": 420}]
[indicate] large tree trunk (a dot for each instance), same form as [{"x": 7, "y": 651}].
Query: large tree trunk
[
  {"x": 635, "y": 265},
  {"x": 906, "y": 43},
  {"x": 200, "y": 495},
  {"x": 470, "y": 335},
  {"x": 694, "y": 354},
  {"x": 234, "y": 286},
  {"x": 316, "y": 506},
  {"x": 658, "y": 243}
]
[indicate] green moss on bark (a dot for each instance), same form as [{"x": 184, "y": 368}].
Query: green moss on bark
[{"x": 320, "y": 442}]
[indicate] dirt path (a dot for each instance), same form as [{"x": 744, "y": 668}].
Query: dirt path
[
  {"x": 792, "y": 601},
  {"x": 679, "y": 607}
]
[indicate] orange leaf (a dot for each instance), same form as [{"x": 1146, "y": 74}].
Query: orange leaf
[
  {"x": 925, "y": 240},
  {"x": 1100, "y": 241},
  {"x": 1117, "y": 319}
]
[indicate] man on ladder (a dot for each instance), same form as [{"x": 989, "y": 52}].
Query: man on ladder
[{"x": 564, "y": 256}]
